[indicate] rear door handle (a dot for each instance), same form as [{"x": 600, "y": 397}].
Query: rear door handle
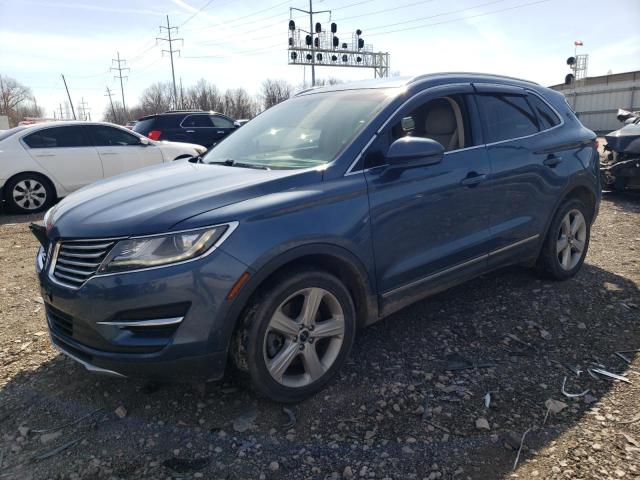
[
  {"x": 473, "y": 179},
  {"x": 552, "y": 161},
  {"x": 191, "y": 131},
  {"x": 46, "y": 155},
  {"x": 220, "y": 131}
]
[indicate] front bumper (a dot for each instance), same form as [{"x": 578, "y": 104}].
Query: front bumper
[{"x": 110, "y": 324}]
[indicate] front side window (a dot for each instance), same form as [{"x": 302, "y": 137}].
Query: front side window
[
  {"x": 221, "y": 122},
  {"x": 105, "y": 136},
  {"x": 305, "y": 131},
  {"x": 197, "y": 121},
  {"x": 57, "y": 137},
  {"x": 546, "y": 116},
  {"x": 506, "y": 117}
]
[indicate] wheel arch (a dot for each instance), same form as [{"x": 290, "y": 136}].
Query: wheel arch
[
  {"x": 333, "y": 259},
  {"x": 44, "y": 176}
]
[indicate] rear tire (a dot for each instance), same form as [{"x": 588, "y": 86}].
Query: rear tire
[
  {"x": 567, "y": 241},
  {"x": 296, "y": 335},
  {"x": 29, "y": 193}
]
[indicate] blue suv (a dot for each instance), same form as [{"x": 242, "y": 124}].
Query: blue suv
[{"x": 325, "y": 213}]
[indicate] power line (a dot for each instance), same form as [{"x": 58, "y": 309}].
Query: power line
[
  {"x": 171, "y": 51},
  {"x": 120, "y": 68},
  {"x": 443, "y": 14},
  {"x": 515, "y": 7},
  {"x": 233, "y": 20},
  {"x": 196, "y": 13},
  {"x": 384, "y": 10}
]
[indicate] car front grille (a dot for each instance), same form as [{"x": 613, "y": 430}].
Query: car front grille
[{"x": 78, "y": 260}]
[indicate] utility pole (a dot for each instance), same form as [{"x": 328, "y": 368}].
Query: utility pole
[
  {"x": 61, "y": 114},
  {"x": 120, "y": 68},
  {"x": 181, "y": 94},
  {"x": 85, "y": 109},
  {"x": 113, "y": 110},
  {"x": 310, "y": 12},
  {"x": 69, "y": 97},
  {"x": 171, "y": 51}
]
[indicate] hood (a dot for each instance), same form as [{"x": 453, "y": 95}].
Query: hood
[{"x": 154, "y": 199}]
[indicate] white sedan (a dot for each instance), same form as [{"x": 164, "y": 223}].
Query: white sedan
[{"x": 40, "y": 163}]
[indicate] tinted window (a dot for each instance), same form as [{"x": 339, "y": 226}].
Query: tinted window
[
  {"x": 105, "y": 136},
  {"x": 506, "y": 116},
  {"x": 57, "y": 137},
  {"x": 144, "y": 126},
  {"x": 221, "y": 122},
  {"x": 194, "y": 121},
  {"x": 546, "y": 116}
]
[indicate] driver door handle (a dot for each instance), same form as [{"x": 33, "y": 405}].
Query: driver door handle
[
  {"x": 220, "y": 131},
  {"x": 190, "y": 131},
  {"x": 473, "y": 179},
  {"x": 552, "y": 161}
]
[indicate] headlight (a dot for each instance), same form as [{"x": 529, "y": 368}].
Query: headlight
[{"x": 159, "y": 250}]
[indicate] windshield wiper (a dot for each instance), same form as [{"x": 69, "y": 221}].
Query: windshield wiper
[{"x": 230, "y": 162}]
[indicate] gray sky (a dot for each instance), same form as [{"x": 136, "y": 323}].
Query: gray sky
[{"x": 239, "y": 43}]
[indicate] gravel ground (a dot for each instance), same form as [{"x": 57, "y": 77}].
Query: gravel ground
[{"x": 404, "y": 406}]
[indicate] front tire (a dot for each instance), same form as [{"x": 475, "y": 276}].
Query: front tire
[
  {"x": 567, "y": 242},
  {"x": 296, "y": 335},
  {"x": 29, "y": 193}
]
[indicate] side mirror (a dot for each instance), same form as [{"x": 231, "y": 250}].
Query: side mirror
[
  {"x": 144, "y": 141},
  {"x": 414, "y": 151},
  {"x": 237, "y": 124}
]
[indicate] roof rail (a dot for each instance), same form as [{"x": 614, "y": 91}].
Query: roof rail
[
  {"x": 429, "y": 75},
  {"x": 184, "y": 111}
]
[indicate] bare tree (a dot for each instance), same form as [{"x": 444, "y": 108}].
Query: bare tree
[
  {"x": 274, "y": 92},
  {"x": 203, "y": 96},
  {"x": 16, "y": 100},
  {"x": 117, "y": 113},
  {"x": 328, "y": 81},
  {"x": 156, "y": 98},
  {"x": 239, "y": 104}
]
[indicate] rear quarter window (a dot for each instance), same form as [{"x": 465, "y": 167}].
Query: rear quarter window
[{"x": 546, "y": 116}]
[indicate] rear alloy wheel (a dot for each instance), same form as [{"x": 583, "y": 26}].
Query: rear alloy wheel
[
  {"x": 28, "y": 194},
  {"x": 567, "y": 241},
  {"x": 572, "y": 238},
  {"x": 299, "y": 335}
]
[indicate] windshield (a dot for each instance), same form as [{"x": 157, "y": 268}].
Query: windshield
[{"x": 302, "y": 132}]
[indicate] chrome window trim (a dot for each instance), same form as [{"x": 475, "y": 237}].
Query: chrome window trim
[
  {"x": 424, "y": 92},
  {"x": 458, "y": 266},
  {"x": 231, "y": 228}
]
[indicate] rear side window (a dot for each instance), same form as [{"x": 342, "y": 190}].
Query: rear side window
[
  {"x": 546, "y": 116},
  {"x": 57, "y": 137},
  {"x": 144, "y": 126},
  {"x": 197, "y": 121},
  {"x": 105, "y": 136},
  {"x": 221, "y": 122},
  {"x": 506, "y": 117}
]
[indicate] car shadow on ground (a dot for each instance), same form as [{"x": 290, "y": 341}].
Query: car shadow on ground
[{"x": 406, "y": 402}]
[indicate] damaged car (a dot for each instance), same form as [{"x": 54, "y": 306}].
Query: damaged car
[{"x": 322, "y": 215}]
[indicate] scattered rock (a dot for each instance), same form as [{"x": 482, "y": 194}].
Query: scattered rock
[
  {"x": 274, "y": 466},
  {"x": 482, "y": 424},
  {"x": 244, "y": 421},
  {"x": 347, "y": 472},
  {"x": 555, "y": 406},
  {"x": 47, "y": 438},
  {"x": 121, "y": 411}
]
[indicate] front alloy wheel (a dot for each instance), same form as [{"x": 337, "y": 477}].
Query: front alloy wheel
[
  {"x": 296, "y": 334},
  {"x": 304, "y": 337}
]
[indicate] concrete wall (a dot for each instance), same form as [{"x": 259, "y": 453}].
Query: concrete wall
[{"x": 597, "y": 99}]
